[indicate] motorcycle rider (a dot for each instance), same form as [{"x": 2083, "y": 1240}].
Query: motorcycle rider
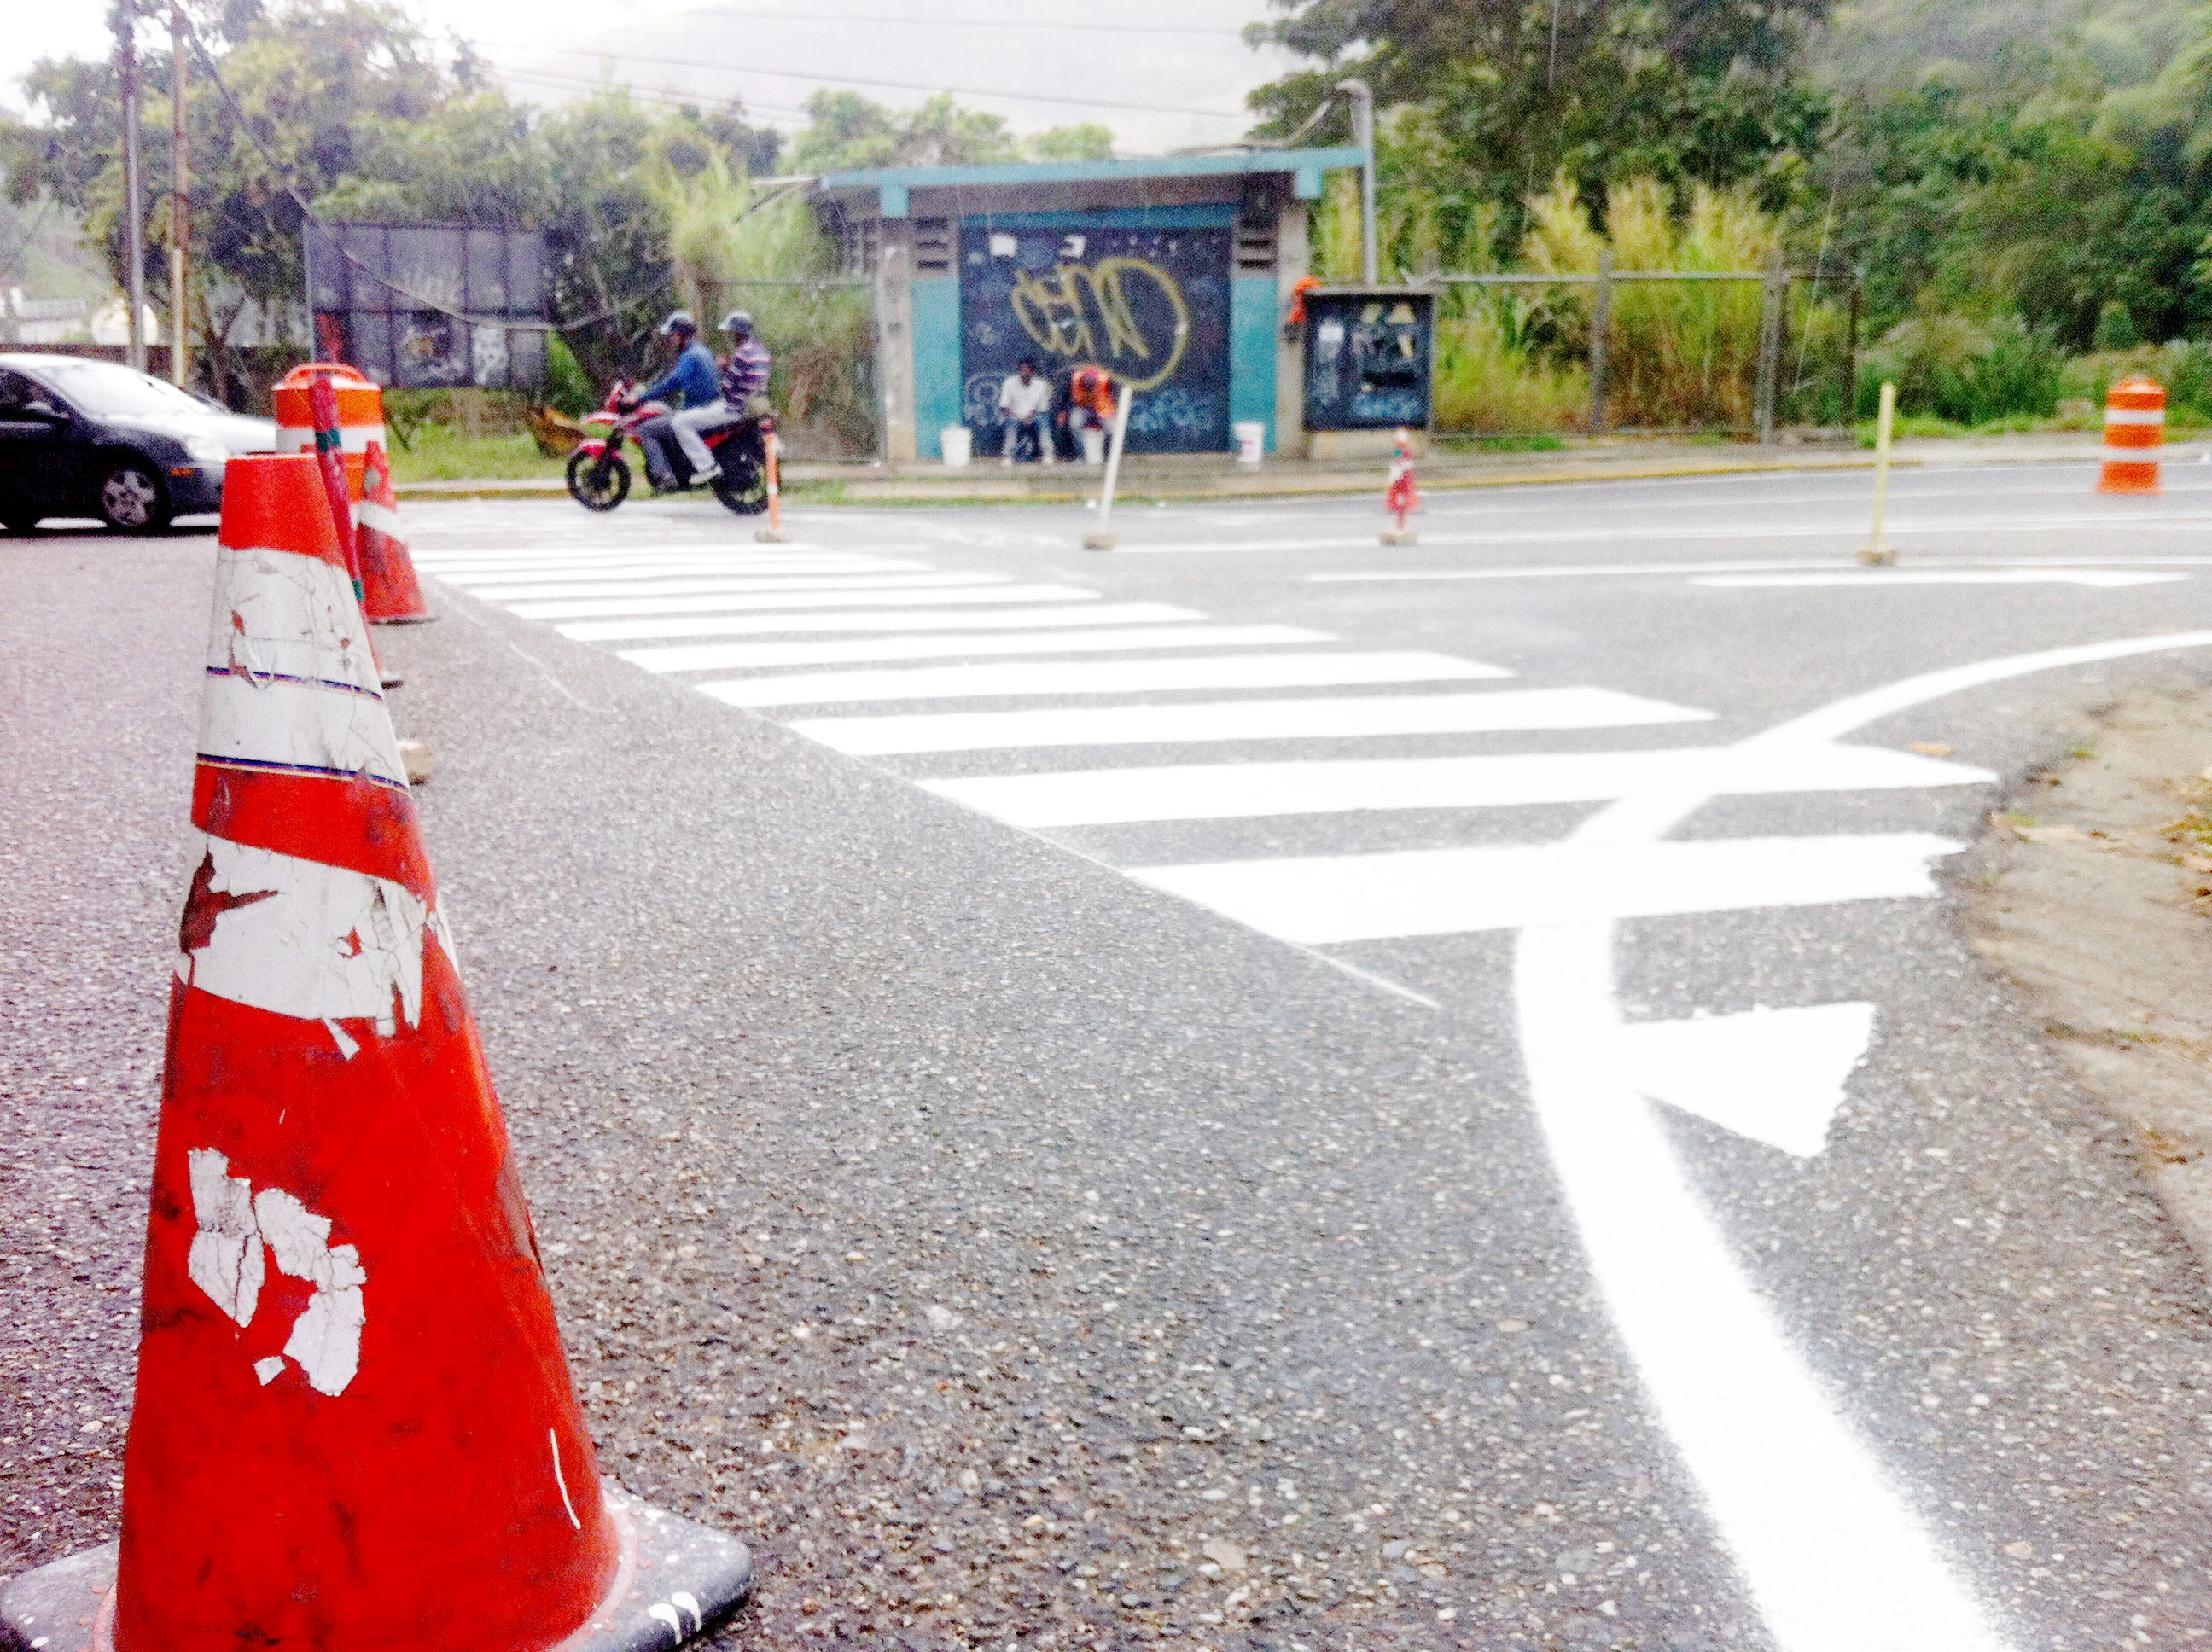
[
  {"x": 696, "y": 378},
  {"x": 740, "y": 396}
]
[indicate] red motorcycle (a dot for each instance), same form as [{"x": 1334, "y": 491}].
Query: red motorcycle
[{"x": 598, "y": 475}]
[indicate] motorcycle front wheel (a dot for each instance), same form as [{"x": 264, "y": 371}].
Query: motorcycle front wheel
[
  {"x": 743, "y": 488},
  {"x": 598, "y": 482}
]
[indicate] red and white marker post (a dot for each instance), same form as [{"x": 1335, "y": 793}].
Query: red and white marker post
[{"x": 1401, "y": 493}]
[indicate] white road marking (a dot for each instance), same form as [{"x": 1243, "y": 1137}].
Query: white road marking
[
  {"x": 1103, "y": 797},
  {"x": 1011, "y": 619},
  {"x": 1795, "y": 1496},
  {"x": 1874, "y": 579},
  {"x": 687, "y": 585},
  {"x": 2040, "y": 523},
  {"x": 1330, "y": 900},
  {"x": 1336, "y": 718},
  {"x": 1044, "y": 681},
  {"x": 1774, "y": 1076},
  {"x": 727, "y": 603},
  {"x": 1768, "y": 565},
  {"x": 768, "y": 656},
  {"x": 474, "y": 574}
]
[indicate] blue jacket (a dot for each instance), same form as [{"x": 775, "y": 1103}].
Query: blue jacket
[{"x": 694, "y": 373}]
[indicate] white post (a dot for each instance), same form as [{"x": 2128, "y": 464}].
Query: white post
[
  {"x": 1875, "y": 554},
  {"x": 1102, "y": 537}
]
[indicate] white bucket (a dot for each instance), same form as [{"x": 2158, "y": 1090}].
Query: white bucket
[
  {"x": 1251, "y": 439},
  {"x": 1094, "y": 444},
  {"x": 958, "y": 443}
]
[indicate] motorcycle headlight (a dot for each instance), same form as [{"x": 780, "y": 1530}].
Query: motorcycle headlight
[{"x": 206, "y": 449}]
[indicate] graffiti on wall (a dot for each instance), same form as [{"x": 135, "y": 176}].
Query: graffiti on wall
[{"x": 1150, "y": 305}]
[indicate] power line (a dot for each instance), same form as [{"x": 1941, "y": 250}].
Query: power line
[
  {"x": 901, "y": 85},
  {"x": 681, "y": 99},
  {"x": 996, "y": 24}
]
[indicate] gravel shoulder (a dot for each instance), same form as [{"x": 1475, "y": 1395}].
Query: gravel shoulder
[{"x": 2093, "y": 893}]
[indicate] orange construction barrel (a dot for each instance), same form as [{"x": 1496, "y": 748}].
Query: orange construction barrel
[
  {"x": 2134, "y": 426},
  {"x": 360, "y": 414}
]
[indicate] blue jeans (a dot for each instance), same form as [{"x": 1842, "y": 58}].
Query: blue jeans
[{"x": 1042, "y": 423}]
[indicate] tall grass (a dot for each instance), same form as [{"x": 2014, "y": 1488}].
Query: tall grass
[
  {"x": 1678, "y": 353},
  {"x": 774, "y": 262},
  {"x": 1489, "y": 380}
]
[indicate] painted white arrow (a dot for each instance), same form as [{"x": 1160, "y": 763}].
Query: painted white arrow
[{"x": 1776, "y": 1076}]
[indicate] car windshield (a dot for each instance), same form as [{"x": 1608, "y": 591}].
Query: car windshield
[{"x": 104, "y": 388}]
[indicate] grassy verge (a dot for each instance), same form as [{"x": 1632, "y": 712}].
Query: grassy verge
[
  {"x": 1538, "y": 443},
  {"x": 439, "y": 452}
]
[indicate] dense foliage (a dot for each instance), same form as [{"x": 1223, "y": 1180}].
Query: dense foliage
[{"x": 2012, "y": 180}]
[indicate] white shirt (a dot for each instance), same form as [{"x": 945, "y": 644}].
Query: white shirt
[{"x": 1018, "y": 400}]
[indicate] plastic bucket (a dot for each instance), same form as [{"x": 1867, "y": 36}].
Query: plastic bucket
[
  {"x": 958, "y": 443},
  {"x": 1251, "y": 440},
  {"x": 1094, "y": 444}
]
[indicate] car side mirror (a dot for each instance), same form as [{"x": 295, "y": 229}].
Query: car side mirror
[{"x": 43, "y": 410}]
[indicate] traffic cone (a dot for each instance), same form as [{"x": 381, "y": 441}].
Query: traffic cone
[
  {"x": 389, "y": 594},
  {"x": 354, "y": 1429}
]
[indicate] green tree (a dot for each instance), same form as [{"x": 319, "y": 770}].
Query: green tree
[
  {"x": 1710, "y": 91},
  {"x": 847, "y": 131}
]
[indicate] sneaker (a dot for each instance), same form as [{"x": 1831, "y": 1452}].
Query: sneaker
[{"x": 707, "y": 475}]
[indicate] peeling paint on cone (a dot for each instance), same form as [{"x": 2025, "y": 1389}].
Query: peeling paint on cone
[{"x": 349, "y": 1375}]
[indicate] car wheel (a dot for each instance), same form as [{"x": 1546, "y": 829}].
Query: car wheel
[{"x": 131, "y": 498}]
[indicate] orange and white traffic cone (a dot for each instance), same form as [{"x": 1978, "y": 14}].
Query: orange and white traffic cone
[
  {"x": 1401, "y": 493},
  {"x": 390, "y": 595},
  {"x": 354, "y": 1428},
  {"x": 2134, "y": 428}
]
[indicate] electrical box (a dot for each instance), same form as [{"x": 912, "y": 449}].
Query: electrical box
[{"x": 1369, "y": 352}]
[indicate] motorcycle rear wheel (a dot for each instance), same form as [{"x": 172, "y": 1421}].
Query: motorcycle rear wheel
[
  {"x": 598, "y": 482},
  {"x": 743, "y": 489}
]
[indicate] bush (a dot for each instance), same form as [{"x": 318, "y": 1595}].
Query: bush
[
  {"x": 1948, "y": 368},
  {"x": 567, "y": 389}
]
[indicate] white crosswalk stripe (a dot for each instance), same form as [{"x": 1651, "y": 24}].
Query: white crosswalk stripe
[
  {"x": 768, "y": 656},
  {"x": 1072, "y": 613},
  {"x": 748, "y": 602},
  {"x": 1043, "y": 681},
  {"x": 1334, "y": 719}
]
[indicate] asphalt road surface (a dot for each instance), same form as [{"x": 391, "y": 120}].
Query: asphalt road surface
[{"x": 1258, "y": 1090}]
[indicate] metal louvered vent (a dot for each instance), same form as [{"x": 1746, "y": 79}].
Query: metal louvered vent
[{"x": 932, "y": 247}]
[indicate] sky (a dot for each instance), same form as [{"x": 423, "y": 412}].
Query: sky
[{"x": 1163, "y": 74}]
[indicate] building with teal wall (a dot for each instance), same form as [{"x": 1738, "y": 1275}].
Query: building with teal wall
[{"x": 1176, "y": 274}]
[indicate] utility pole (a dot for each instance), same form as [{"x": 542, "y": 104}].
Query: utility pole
[
  {"x": 134, "y": 209},
  {"x": 1362, "y": 135},
  {"x": 181, "y": 200}
]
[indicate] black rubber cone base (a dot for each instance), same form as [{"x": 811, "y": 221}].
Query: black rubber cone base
[{"x": 679, "y": 1579}]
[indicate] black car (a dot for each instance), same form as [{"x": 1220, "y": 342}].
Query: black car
[{"x": 88, "y": 438}]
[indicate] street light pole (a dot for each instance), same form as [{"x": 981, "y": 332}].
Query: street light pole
[
  {"x": 134, "y": 214},
  {"x": 181, "y": 200},
  {"x": 1362, "y": 134}
]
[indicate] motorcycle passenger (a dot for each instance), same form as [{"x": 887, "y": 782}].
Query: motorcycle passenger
[
  {"x": 695, "y": 377},
  {"x": 743, "y": 377}
]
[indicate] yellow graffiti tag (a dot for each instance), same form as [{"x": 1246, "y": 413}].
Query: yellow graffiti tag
[{"x": 1055, "y": 310}]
